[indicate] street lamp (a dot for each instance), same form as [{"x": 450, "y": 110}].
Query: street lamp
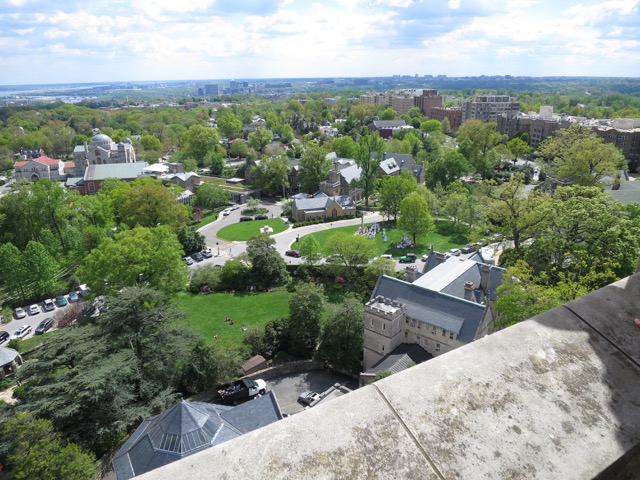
[{"x": 218, "y": 245}]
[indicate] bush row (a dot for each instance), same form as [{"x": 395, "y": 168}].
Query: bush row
[{"x": 316, "y": 221}]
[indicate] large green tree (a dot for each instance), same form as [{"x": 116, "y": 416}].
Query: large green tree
[
  {"x": 229, "y": 124},
  {"x": 36, "y": 450},
  {"x": 446, "y": 168},
  {"x": 272, "y": 174},
  {"x": 391, "y": 191},
  {"x": 267, "y": 265},
  {"x": 368, "y": 155},
  {"x": 200, "y": 142},
  {"x": 209, "y": 195},
  {"x": 415, "y": 218},
  {"x": 342, "y": 336},
  {"x": 149, "y": 203},
  {"x": 260, "y": 138},
  {"x": 314, "y": 168},
  {"x": 149, "y": 256},
  {"x": 349, "y": 252},
  {"x": 96, "y": 381},
  {"x": 477, "y": 143},
  {"x": 306, "y": 308}
]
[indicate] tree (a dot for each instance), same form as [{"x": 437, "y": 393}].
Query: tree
[
  {"x": 95, "y": 381},
  {"x": 522, "y": 296},
  {"x": 209, "y": 366},
  {"x": 345, "y": 147},
  {"x": 392, "y": 191},
  {"x": 310, "y": 249},
  {"x": 446, "y": 126},
  {"x": 199, "y": 142},
  {"x": 272, "y": 174},
  {"x": 518, "y": 213},
  {"x": 518, "y": 148},
  {"x": 239, "y": 149},
  {"x": 581, "y": 156},
  {"x": 477, "y": 143},
  {"x": 447, "y": 168},
  {"x": 149, "y": 203},
  {"x": 28, "y": 438},
  {"x": 414, "y": 216},
  {"x": 431, "y": 126},
  {"x": 150, "y": 142},
  {"x": 260, "y": 138},
  {"x": 267, "y": 265},
  {"x": 140, "y": 256},
  {"x": 305, "y": 312},
  {"x": 342, "y": 336},
  {"x": 209, "y": 195},
  {"x": 350, "y": 251},
  {"x": 388, "y": 114},
  {"x": 376, "y": 268},
  {"x": 368, "y": 156},
  {"x": 190, "y": 239},
  {"x": 229, "y": 124},
  {"x": 314, "y": 168}
]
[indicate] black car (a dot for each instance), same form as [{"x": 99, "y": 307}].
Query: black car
[
  {"x": 292, "y": 253},
  {"x": 262, "y": 217},
  {"x": 4, "y": 336},
  {"x": 197, "y": 257},
  {"x": 44, "y": 326},
  {"x": 246, "y": 219}
]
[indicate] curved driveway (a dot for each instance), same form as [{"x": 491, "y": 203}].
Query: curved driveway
[{"x": 283, "y": 239}]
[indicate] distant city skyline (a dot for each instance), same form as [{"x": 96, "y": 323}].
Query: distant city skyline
[{"x": 44, "y": 42}]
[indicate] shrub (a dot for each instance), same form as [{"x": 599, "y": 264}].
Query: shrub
[
  {"x": 203, "y": 278},
  {"x": 66, "y": 317}
]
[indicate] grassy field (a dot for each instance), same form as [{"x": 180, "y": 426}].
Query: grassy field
[
  {"x": 243, "y": 231},
  {"x": 444, "y": 237},
  {"x": 208, "y": 216},
  {"x": 206, "y": 314}
]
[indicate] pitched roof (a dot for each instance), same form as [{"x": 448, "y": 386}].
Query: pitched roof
[
  {"x": 389, "y": 166},
  {"x": 187, "y": 428},
  {"x": 389, "y": 123},
  {"x": 321, "y": 202},
  {"x": 42, "y": 160},
  {"x": 453, "y": 314},
  {"x": 399, "y": 359},
  {"x": 352, "y": 172},
  {"x": 114, "y": 170},
  {"x": 7, "y": 355}
]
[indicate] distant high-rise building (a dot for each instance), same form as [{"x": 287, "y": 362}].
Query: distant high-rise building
[
  {"x": 211, "y": 89},
  {"x": 488, "y": 108}
]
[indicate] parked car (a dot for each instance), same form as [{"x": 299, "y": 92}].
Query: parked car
[
  {"x": 86, "y": 312},
  {"x": 73, "y": 297},
  {"x": 197, "y": 257},
  {"x": 4, "y": 336},
  {"x": 19, "y": 313},
  {"x": 242, "y": 389},
  {"x": 226, "y": 211},
  {"x": 206, "y": 253},
  {"x": 468, "y": 248},
  {"x": 262, "y": 217},
  {"x": 246, "y": 219},
  {"x": 234, "y": 207},
  {"x": 34, "y": 309},
  {"x": 49, "y": 305},
  {"x": 188, "y": 260},
  {"x": 61, "y": 301},
  {"x": 455, "y": 252},
  {"x": 22, "y": 332},
  {"x": 308, "y": 397},
  {"x": 387, "y": 255},
  {"x": 44, "y": 326},
  {"x": 292, "y": 253},
  {"x": 408, "y": 258}
]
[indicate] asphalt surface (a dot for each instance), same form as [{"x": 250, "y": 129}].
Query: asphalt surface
[{"x": 288, "y": 387}]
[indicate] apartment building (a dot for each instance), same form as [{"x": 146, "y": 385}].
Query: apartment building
[
  {"x": 404, "y": 100},
  {"x": 487, "y": 108},
  {"x": 453, "y": 114}
]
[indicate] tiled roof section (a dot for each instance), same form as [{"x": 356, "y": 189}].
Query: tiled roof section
[
  {"x": 399, "y": 359},
  {"x": 114, "y": 170},
  {"x": 69, "y": 165},
  {"x": 42, "y": 160},
  {"x": 453, "y": 314}
]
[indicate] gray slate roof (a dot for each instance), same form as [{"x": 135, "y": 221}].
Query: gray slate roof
[
  {"x": 399, "y": 359},
  {"x": 114, "y": 170},
  {"x": 453, "y": 314},
  {"x": 389, "y": 123},
  {"x": 7, "y": 355},
  {"x": 321, "y": 202},
  {"x": 187, "y": 428}
]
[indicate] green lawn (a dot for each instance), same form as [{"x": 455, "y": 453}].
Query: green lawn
[
  {"x": 206, "y": 314},
  {"x": 444, "y": 237},
  {"x": 208, "y": 216},
  {"x": 243, "y": 231}
]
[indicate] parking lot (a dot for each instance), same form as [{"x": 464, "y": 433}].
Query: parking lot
[{"x": 288, "y": 387}]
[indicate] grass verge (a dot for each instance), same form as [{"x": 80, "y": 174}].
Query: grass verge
[{"x": 243, "y": 231}]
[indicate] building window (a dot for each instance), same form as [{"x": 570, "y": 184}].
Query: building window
[
  {"x": 372, "y": 321},
  {"x": 444, "y": 332},
  {"x": 437, "y": 347},
  {"x": 91, "y": 187},
  {"x": 425, "y": 342},
  {"x": 383, "y": 348},
  {"x": 406, "y": 334},
  {"x": 433, "y": 330},
  {"x": 451, "y": 335},
  {"x": 418, "y": 339},
  {"x": 419, "y": 325},
  {"x": 384, "y": 326}
]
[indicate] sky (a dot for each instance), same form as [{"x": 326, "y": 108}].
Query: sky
[{"x": 65, "y": 41}]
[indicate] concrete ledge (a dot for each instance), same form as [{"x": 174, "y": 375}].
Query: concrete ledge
[{"x": 556, "y": 397}]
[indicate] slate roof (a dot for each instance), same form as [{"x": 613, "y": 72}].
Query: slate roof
[
  {"x": 350, "y": 173},
  {"x": 389, "y": 123},
  {"x": 114, "y": 170},
  {"x": 187, "y": 428},
  {"x": 7, "y": 355},
  {"x": 389, "y": 166},
  {"x": 453, "y": 314},
  {"x": 322, "y": 202},
  {"x": 627, "y": 193},
  {"x": 399, "y": 359}
]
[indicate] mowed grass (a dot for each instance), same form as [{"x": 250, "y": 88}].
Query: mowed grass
[
  {"x": 243, "y": 231},
  {"x": 443, "y": 237},
  {"x": 205, "y": 314}
]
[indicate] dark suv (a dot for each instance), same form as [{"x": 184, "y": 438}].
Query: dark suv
[
  {"x": 4, "y": 336},
  {"x": 246, "y": 219},
  {"x": 44, "y": 326},
  {"x": 197, "y": 257},
  {"x": 261, "y": 217}
]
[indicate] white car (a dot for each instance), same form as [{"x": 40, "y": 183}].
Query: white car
[
  {"x": 22, "y": 332},
  {"x": 234, "y": 207},
  {"x": 188, "y": 260},
  {"x": 34, "y": 309},
  {"x": 49, "y": 305},
  {"x": 226, "y": 211},
  {"x": 19, "y": 313},
  {"x": 308, "y": 397}
]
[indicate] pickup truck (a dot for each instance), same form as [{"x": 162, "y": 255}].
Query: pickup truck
[{"x": 245, "y": 388}]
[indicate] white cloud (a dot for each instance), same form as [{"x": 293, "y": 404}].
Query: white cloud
[{"x": 454, "y": 4}]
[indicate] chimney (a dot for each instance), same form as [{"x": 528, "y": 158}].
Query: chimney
[
  {"x": 440, "y": 258},
  {"x": 410, "y": 273},
  {"x": 468, "y": 290},
  {"x": 484, "y": 276},
  {"x": 384, "y": 155}
]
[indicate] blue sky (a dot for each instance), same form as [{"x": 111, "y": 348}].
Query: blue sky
[{"x": 46, "y": 41}]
